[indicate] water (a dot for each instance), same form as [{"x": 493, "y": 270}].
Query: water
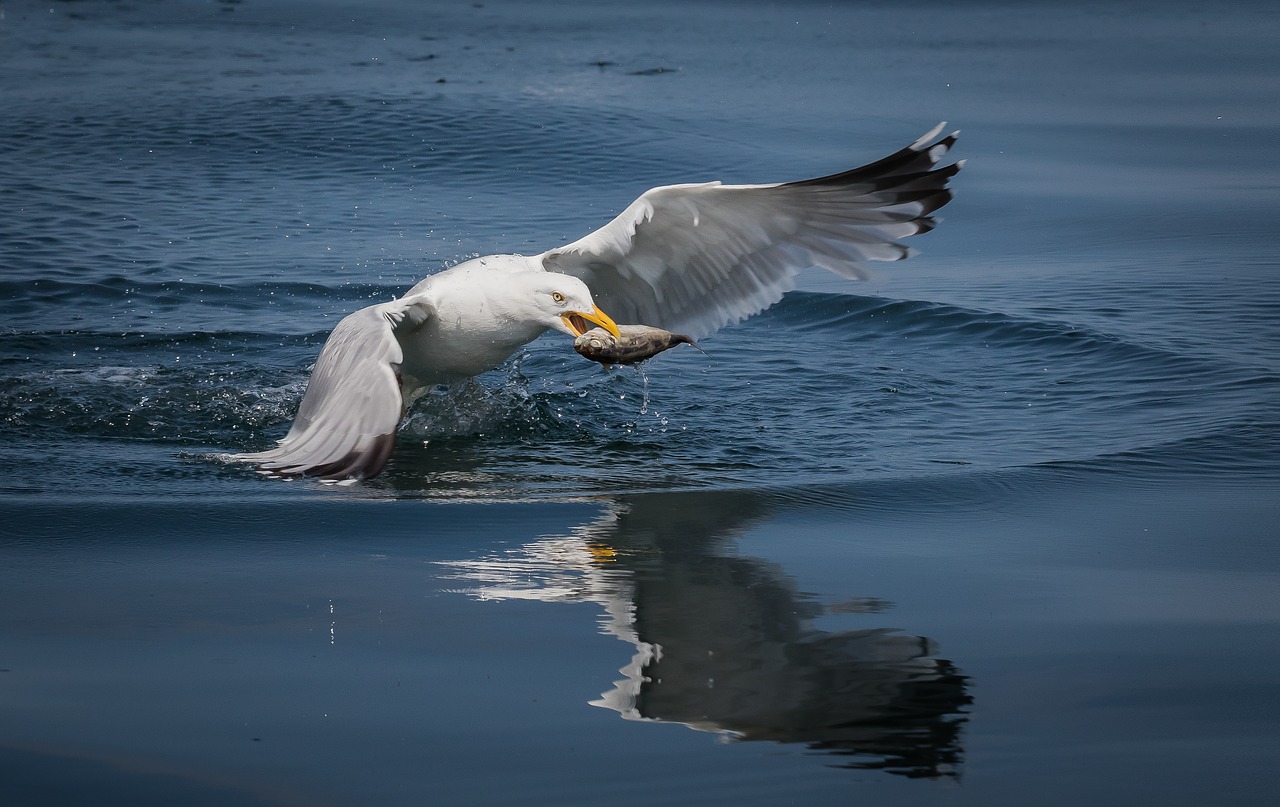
[{"x": 994, "y": 527}]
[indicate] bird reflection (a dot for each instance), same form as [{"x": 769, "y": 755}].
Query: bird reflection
[{"x": 725, "y": 643}]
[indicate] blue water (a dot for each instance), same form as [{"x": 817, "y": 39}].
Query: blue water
[{"x": 994, "y": 527}]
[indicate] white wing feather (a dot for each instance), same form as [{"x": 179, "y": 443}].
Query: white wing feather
[
  {"x": 346, "y": 423},
  {"x": 693, "y": 258}
]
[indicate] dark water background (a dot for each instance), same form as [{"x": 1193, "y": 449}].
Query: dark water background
[{"x": 996, "y": 527}]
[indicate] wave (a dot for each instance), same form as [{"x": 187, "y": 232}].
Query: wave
[
  {"x": 863, "y": 317},
  {"x": 168, "y": 309},
  {"x": 1242, "y": 447},
  {"x": 312, "y": 138},
  {"x": 819, "y": 390}
]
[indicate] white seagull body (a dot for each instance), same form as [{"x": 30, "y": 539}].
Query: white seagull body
[{"x": 687, "y": 258}]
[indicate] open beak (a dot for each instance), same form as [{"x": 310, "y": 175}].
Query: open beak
[{"x": 577, "y": 321}]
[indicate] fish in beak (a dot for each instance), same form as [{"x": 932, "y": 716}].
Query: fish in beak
[{"x": 577, "y": 321}]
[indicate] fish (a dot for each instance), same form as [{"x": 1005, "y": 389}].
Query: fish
[{"x": 634, "y": 343}]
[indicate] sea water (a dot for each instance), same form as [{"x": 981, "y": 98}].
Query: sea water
[{"x": 996, "y": 527}]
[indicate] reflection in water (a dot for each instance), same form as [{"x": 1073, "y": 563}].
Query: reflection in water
[{"x": 725, "y": 643}]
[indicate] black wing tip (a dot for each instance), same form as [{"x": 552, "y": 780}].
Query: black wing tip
[
  {"x": 933, "y": 202},
  {"x": 914, "y": 162},
  {"x": 356, "y": 466},
  {"x": 925, "y": 224}
]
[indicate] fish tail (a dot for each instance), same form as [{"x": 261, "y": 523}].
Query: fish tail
[{"x": 681, "y": 339}]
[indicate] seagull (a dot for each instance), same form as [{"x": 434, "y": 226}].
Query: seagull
[{"x": 689, "y": 258}]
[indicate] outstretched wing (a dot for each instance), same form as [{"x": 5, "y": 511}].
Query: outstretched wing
[
  {"x": 693, "y": 258},
  {"x": 346, "y": 424}
]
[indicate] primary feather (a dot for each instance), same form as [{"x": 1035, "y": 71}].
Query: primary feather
[{"x": 694, "y": 258}]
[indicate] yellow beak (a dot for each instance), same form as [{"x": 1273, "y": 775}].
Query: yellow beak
[{"x": 577, "y": 321}]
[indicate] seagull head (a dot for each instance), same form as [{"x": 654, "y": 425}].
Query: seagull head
[{"x": 564, "y": 303}]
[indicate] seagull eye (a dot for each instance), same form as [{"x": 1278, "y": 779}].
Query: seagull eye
[{"x": 557, "y": 296}]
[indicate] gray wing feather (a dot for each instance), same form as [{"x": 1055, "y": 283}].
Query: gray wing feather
[
  {"x": 693, "y": 258},
  {"x": 346, "y": 424}
]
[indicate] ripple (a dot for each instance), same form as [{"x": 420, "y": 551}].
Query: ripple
[{"x": 818, "y": 390}]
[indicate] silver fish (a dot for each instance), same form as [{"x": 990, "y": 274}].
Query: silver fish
[{"x": 635, "y": 343}]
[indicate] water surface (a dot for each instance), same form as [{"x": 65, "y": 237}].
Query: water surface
[{"x": 996, "y": 527}]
